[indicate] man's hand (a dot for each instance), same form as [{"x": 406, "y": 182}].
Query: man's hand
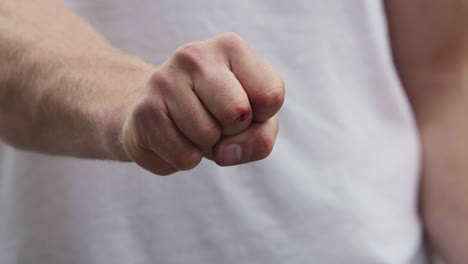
[
  {"x": 215, "y": 98},
  {"x": 64, "y": 90}
]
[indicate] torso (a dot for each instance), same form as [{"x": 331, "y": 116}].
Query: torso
[{"x": 339, "y": 187}]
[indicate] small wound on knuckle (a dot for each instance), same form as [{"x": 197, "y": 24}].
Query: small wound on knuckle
[
  {"x": 238, "y": 113},
  {"x": 244, "y": 115}
]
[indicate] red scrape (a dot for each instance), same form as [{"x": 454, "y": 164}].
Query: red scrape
[{"x": 243, "y": 116}]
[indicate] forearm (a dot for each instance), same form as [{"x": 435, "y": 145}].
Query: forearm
[
  {"x": 430, "y": 49},
  {"x": 63, "y": 89},
  {"x": 444, "y": 197},
  {"x": 443, "y": 129}
]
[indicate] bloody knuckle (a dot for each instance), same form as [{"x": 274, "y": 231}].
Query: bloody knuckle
[
  {"x": 193, "y": 55},
  {"x": 236, "y": 112}
]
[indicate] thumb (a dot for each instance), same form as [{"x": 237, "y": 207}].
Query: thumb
[{"x": 254, "y": 143}]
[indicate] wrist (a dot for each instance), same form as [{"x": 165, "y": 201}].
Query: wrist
[{"x": 116, "y": 110}]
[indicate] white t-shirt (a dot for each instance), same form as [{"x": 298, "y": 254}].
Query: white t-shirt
[{"x": 340, "y": 186}]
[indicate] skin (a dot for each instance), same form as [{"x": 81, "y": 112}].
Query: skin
[
  {"x": 64, "y": 90},
  {"x": 430, "y": 44}
]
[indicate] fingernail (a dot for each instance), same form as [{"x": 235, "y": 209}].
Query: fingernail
[{"x": 231, "y": 154}]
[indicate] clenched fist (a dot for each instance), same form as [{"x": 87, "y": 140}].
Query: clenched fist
[{"x": 216, "y": 99}]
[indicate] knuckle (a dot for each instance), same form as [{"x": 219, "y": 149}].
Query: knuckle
[
  {"x": 161, "y": 80},
  {"x": 231, "y": 41},
  {"x": 192, "y": 55},
  {"x": 145, "y": 108},
  {"x": 236, "y": 112},
  {"x": 148, "y": 109},
  {"x": 275, "y": 97},
  {"x": 188, "y": 159},
  {"x": 265, "y": 145},
  {"x": 210, "y": 135},
  {"x": 277, "y": 94}
]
